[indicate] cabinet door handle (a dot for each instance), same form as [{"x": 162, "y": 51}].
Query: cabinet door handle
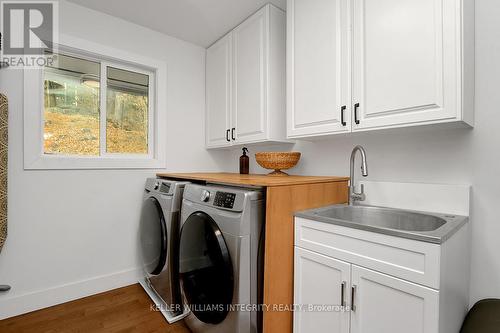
[
  {"x": 342, "y": 292},
  {"x": 227, "y": 136},
  {"x": 353, "y": 295},
  {"x": 232, "y": 133},
  {"x": 342, "y": 115},
  {"x": 356, "y": 107}
]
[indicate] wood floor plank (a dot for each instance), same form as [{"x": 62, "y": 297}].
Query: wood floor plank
[{"x": 123, "y": 310}]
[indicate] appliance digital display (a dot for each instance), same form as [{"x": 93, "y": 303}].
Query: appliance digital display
[{"x": 224, "y": 199}]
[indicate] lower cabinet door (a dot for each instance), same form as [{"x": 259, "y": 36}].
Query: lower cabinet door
[
  {"x": 321, "y": 288},
  {"x": 384, "y": 304}
]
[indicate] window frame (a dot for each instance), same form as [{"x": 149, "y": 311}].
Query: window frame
[{"x": 34, "y": 155}]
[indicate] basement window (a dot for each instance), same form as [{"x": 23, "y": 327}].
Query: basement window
[
  {"x": 71, "y": 107},
  {"x": 95, "y": 112}
]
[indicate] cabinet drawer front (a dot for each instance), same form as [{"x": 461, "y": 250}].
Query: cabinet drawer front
[{"x": 407, "y": 259}]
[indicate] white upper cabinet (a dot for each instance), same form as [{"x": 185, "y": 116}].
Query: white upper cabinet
[
  {"x": 257, "y": 110},
  {"x": 406, "y": 62},
  {"x": 218, "y": 93},
  {"x": 412, "y": 64},
  {"x": 318, "y": 67},
  {"x": 250, "y": 62}
]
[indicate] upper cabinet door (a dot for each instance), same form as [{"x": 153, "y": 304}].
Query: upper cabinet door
[
  {"x": 320, "y": 280},
  {"x": 406, "y": 62},
  {"x": 386, "y": 304},
  {"x": 250, "y": 80},
  {"x": 318, "y": 67},
  {"x": 218, "y": 93}
]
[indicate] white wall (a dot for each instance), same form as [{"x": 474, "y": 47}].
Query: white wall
[
  {"x": 74, "y": 233},
  {"x": 453, "y": 156}
]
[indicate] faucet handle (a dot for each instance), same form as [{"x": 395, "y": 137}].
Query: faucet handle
[
  {"x": 362, "y": 195},
  {"x": 353, "y": 189},
  {"x": 355, "y": 196}
]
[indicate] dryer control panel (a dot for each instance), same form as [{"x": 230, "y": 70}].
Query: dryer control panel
[
  {"x": 221, "y": 197},
  {"x": 224, "y": 199}
]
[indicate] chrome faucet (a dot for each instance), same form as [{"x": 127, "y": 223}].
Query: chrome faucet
[{"x": 353, "y": 195}]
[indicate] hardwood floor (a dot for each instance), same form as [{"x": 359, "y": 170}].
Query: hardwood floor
[{"x": 121, "y": 310}]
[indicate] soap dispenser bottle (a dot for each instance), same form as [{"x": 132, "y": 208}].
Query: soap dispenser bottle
[{"x": 244, "y": 162}]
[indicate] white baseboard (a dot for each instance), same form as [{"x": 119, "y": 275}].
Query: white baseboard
[{"x": 20, "y": 304}]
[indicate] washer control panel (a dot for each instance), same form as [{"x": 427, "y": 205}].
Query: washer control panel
[{"x": 224, "y": 199}]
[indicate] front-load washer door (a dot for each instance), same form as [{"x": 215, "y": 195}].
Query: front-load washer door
[
  {"x": 206, "y": 270},
  {"x": 153, "y": 233}
]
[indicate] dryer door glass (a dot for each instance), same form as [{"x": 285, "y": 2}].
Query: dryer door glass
[
  {"x": 153, "y": 231},
  {"x": 205, "y": 269}
]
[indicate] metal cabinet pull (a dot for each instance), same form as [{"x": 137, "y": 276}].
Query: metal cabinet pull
[
  {"x": 4, "y": 288},
  {"x": 356, "y": 120},
  {"x": 232, "y": 133},
  {"x": 227, "y": 136},
  {"x": 353, "y": 294},
  {"x": 342, "y": 292},
  {"x": 342, "y": 114}
]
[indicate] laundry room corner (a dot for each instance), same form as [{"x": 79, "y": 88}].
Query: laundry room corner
[{"x": 83, "y": 224}]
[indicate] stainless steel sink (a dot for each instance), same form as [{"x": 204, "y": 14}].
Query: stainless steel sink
[
  {"x": 430, "y": 227},
  {"x": 385, "y": 218}
]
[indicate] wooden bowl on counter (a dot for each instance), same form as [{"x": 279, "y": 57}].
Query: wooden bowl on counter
[{"x": 277, "y": 161}]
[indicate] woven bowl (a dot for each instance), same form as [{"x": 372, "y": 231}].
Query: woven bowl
[{"x": 277, "y": 161}]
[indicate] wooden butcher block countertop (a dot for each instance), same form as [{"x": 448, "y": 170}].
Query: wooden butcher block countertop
[
  {"x": 252, "y": 180},
  {"x": 284, "y": 196}
]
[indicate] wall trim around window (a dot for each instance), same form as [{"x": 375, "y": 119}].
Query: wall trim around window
[{"x": 34, "y": 157}]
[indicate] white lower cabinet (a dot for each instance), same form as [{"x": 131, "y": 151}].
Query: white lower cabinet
[
  {"x": 355, "y": 281},
  {"x": 382, "y": 304},
  {"x": 378, "y": 303},
  {"x": 320, "y": 280}
]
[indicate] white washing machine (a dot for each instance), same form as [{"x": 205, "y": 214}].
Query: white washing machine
[
  {"x": 159, "y": 243},
  {"x": 220, "y": 258}
]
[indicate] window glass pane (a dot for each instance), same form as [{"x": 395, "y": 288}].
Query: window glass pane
[
  {"x": 127, "y": 112},
  {"x": 71, "y": 107}
]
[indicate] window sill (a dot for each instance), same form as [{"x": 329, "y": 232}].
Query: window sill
[{"x": 47, "y": 162}]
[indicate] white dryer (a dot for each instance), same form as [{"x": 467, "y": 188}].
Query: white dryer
[
  {"x": 159, "y": 243},
  {"x": 220, "y": 258}
]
